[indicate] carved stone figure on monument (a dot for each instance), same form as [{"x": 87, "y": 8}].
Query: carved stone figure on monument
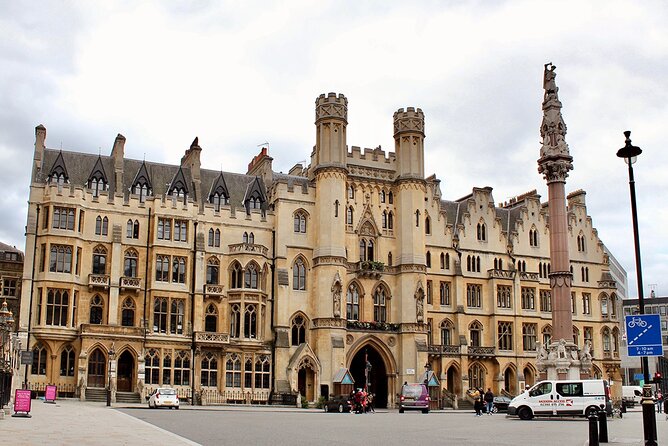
[
  {"x": 336, "y": 295},
  {"x": 549, "y": 84},
  {"x": 585, "y": 354},
  {"x": 542, "y": 352},
  {"x": 561, "y": 349}
]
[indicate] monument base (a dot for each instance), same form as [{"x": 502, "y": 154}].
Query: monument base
[{"x": 564, "y": 360}]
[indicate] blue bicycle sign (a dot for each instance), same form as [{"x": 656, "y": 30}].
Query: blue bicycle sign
[{"x": 643, "y": 332}]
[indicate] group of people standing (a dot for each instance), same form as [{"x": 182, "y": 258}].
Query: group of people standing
[
  {"x": 483, "y": 401},
  {"x": 362, "y": 401}
]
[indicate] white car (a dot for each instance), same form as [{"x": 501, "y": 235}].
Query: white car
[{"x": 163, "y": 397}]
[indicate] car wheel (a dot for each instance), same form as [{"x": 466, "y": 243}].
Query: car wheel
[
  {"x": 176, "y": 408},
  {"x": 524, "y": 413},
  {"x": 401, "y": 410},
  {"x": 325, "y": 408},
  {"x": 425, "y": 410},
  {"x": 495, "y": 409},
  {"x": 340, "y": 408}
]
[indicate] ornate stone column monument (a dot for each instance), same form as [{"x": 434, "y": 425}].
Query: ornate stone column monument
[{"x": 562, "y": 358}]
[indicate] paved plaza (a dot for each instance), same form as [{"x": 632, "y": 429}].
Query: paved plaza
[{"x": 71, "y": 422}]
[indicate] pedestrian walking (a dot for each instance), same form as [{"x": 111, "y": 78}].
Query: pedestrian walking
[
  {"x": 489, "y": 400},
  {"x": 477, "y": 403},
  {"x": 659, "y": 401}
]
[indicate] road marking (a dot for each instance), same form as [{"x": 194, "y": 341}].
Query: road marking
[{"x": 640, "y": 334}]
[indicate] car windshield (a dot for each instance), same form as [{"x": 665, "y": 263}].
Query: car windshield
[
  {"x": 167, "y": 392},
  {"x": 414, "y": 390}
]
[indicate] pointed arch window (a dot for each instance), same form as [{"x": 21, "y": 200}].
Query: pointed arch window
[
  {"x": 349, "y": 215},
  {"x": 99, "y": 260},
  {"x": 427, "y": 225},
  {"x": 417, "y": 218},
  {"x": 235, "y": 321},
  {"x": 209, "y": 370},
  {"x": 96, "y": 309},
  {"x": 130, "y": 263},
  {"x": 547, "y": 335},
  {"x": 351, "y": 193},
  {"x": 390, "y": 220},
  {"x": 428, "y": 259},
  {"x": 211, "y": 236},
  {"x": 390, "y": 198},
  {"x": 97, "y": 186},
  {"x": 132, "y": 229},
  {"x": 236, "y": 276},
  {"x": 529, "y": 337},
  {"x": 389, "y": 259},
  {"x": 299, "y": 222},
  {"x": 233, "y": 371},
  {"x": 167, "y": 370},
  {"x": 481, "y": 232},
  {"x": 298, "y": 331},
  {"x": 447, "y": 329},
  {"x": 128, "y": 313},
  {"x": 152, "y": 365},
  {"x": 218, "y": 199},
  {"x": 384, "y": 220},
  {"x": 251, "y": 276},
  {"x": 244, "y": 238},
  {"x": 299, "y": 275},
  {"x": 380, "y": 305},
  {"x": 67, "y": 361},
  {"x": 262, "y": 372},
  {"x": 382, "y": 196},
  {"x": 533, "y": 237},
  {"x": 606, "y": 340},
  {"x": 442, "y": 261},
  {"x": 176, "y": 316},
  {"x": 475, "y": 334},
  {"x": 211, "y": 319},
  {"x": 250, "y": 321},
  {"x": 353, "y": 303},
  {"x": 38, "y": 360},
  {"x": 212, "y": 271},
  {"x": 581, "y": 243},
  {"x": 182, "y": 368},
  {"x": 576, "y": 335}
]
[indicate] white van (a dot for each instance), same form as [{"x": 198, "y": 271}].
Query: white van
[
  {"x": 557, "y": 398},
  {"x": 631, "y": 395}
]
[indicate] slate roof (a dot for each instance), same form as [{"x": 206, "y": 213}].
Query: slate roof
[{"x": 80, "y": 166}]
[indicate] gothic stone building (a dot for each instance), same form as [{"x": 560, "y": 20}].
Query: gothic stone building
[{"x": 247, "y": 287}]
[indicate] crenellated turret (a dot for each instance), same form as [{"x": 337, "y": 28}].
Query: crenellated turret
[
  {"x": 331, "y": 119},
  {"x": 409, "y": 142}
]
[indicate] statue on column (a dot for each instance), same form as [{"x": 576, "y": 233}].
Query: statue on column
[
  {"x": 336, "y": 295},
  {"x": 419, "y": 302},
  {"x": 549, "y": 83}
]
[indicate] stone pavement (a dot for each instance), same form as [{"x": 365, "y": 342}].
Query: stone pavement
[{"x": 71, "y": 422}]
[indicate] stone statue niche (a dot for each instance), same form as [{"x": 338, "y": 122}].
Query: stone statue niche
[{"x": 336, "y": 295}]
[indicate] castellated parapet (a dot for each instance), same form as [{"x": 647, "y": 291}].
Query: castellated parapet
[
  {"x": 410, "y": 120},
  {"x": 331, "y": 106}
]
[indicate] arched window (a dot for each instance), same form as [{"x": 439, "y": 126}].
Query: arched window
[
  {"x": 251, "y": 238},
  {"x": 251, "y": 276},
  {"x": 382, "y": 196},
  {"x": 105, "y": 226},
  {"x": 468, "y": 263},
  {"x": 615, "y": 341},
  {"x": 130, "y": 263},
  {"x": 298, "y": 330},
  {"x": 606, "y": 339},
  {"x": 533, "y": 237},
  {"x": 427, "y": 225},
  {"x": 97, "y": 185},
  {"x": 349, "y": 215},
  {"x": 128, "y": 313},
  {"x": 132, "y": 229},
  {"x": 389, "y": 259},
  {"x": 547, "y": 335},
  {"x": 351, "y": 193},
  {"x": 182, "y": 368},
  {"x": 216, "y": 239},
  {"x": 447, "y": 260},
  {"x": 128, "y": 229},
  {"x": 96, "y": 309},
  {"x": 250, "y": 322},
  {"x": 581, "y": 243},
  {"x": 390, "y": 220},
  {"x": 481, "y": 232},
  {"x": 604, "y": 306},
  {"x": 476, "y": 376},
  {"x": 98, "y": 225},
  {"x": 38, "y": 360},
  {"x": 235, "y": 321},
  {"x": 245, "y": 237},
  {"x": 299, "y": 275},
  {"x": 380, "y": 305},
  {"x": 447, "y": 328},
  {"x": 67, "y": 361},
  {"x": 209, "y": 370},
  {"x": 353, "y": 303},
  {"x": 212, "y": 269},
  {"x": 176, "y": 316},
  {"x": 233, "y": 371},
  {"x": 152, "y": 367},
  {"x": 576, "y": 335},
  {"x": 299, "y": 222},
  {"x": 384, "y": 220},
  {"x": 475, "y": 334},
  {"x": 442, "y": 261},
  {"x": 428, "y": 259},
  {"x": 211, "y": 319},
  {"x": 236, "y": 276},
  {"x": 167, "y": 370},
  {"x": 211, "y": 233},
  {"x": 390, "y": 198},
  {"x": 417, "y": 218},
  {"x": 99, "y": 260}
]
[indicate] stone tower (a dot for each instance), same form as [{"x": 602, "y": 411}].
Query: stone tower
[
  {"x": 329, "y": 255},
  {"x": 410, "y": 194}
]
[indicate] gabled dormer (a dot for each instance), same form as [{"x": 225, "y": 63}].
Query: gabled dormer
[
  {"x": 97, "y": 180},
  {"x": 141, "y": 185},
  {"x": 255, "y": 197},
  {"x": 58, "y": 173},
  {"x": 219, "y": 194},
  {"x": 178, "y": 188}
]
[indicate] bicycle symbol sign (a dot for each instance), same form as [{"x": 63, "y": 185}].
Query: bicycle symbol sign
[{"x": 643, "y": 332}]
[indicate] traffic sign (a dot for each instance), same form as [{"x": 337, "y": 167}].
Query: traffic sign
[{"x": 643, "y": 332}]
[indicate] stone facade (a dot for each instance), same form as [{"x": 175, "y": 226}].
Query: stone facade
[{"x": 238, "y": 286}]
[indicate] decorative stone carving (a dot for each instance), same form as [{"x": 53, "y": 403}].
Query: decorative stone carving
[
  {"x": 419, "y": 302},
  {"x": 585, "y": 354},
  {"x": 336, "y": 295},
  {"x": 391, "y": 341},
  {"x": 349, "y": 339}
]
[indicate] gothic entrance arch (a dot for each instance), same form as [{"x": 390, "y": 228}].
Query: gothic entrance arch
[
  {"x": 306, "y": 379},
  {"x": 377, "y": 373},
  {"x": 126, "y": 367},
  {"x": 97, "y": 367}
]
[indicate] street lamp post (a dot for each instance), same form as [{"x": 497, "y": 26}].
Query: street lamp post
[
  {"x": 112, "y": 354},
  {"x": 629, "y": 153}
]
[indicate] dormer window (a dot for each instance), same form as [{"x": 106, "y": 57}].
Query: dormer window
[
  {"x": 218, "y": 199},
  {"x": 179, "y": 194},
  {"x": 143, "y": 191},
  {"x": 96, "y": 186}
]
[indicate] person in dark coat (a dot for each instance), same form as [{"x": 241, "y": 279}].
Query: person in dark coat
[
  {"x": 489, "y": 401},
  {"x": 477, "y": 404}
]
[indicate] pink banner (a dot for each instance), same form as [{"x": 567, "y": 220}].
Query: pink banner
[
  {"x": 22, "y": 401},
  {"x": 50, "y": 394}
]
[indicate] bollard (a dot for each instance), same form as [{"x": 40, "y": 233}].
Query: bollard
[
  {"x": 593, "y": 429},
  {"x": 602, "y": 426}
]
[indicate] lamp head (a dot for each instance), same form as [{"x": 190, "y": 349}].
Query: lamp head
[{"x": 629, "y": 152}]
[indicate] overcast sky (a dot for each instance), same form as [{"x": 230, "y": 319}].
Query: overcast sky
[{"x": 238, "y": 74}]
